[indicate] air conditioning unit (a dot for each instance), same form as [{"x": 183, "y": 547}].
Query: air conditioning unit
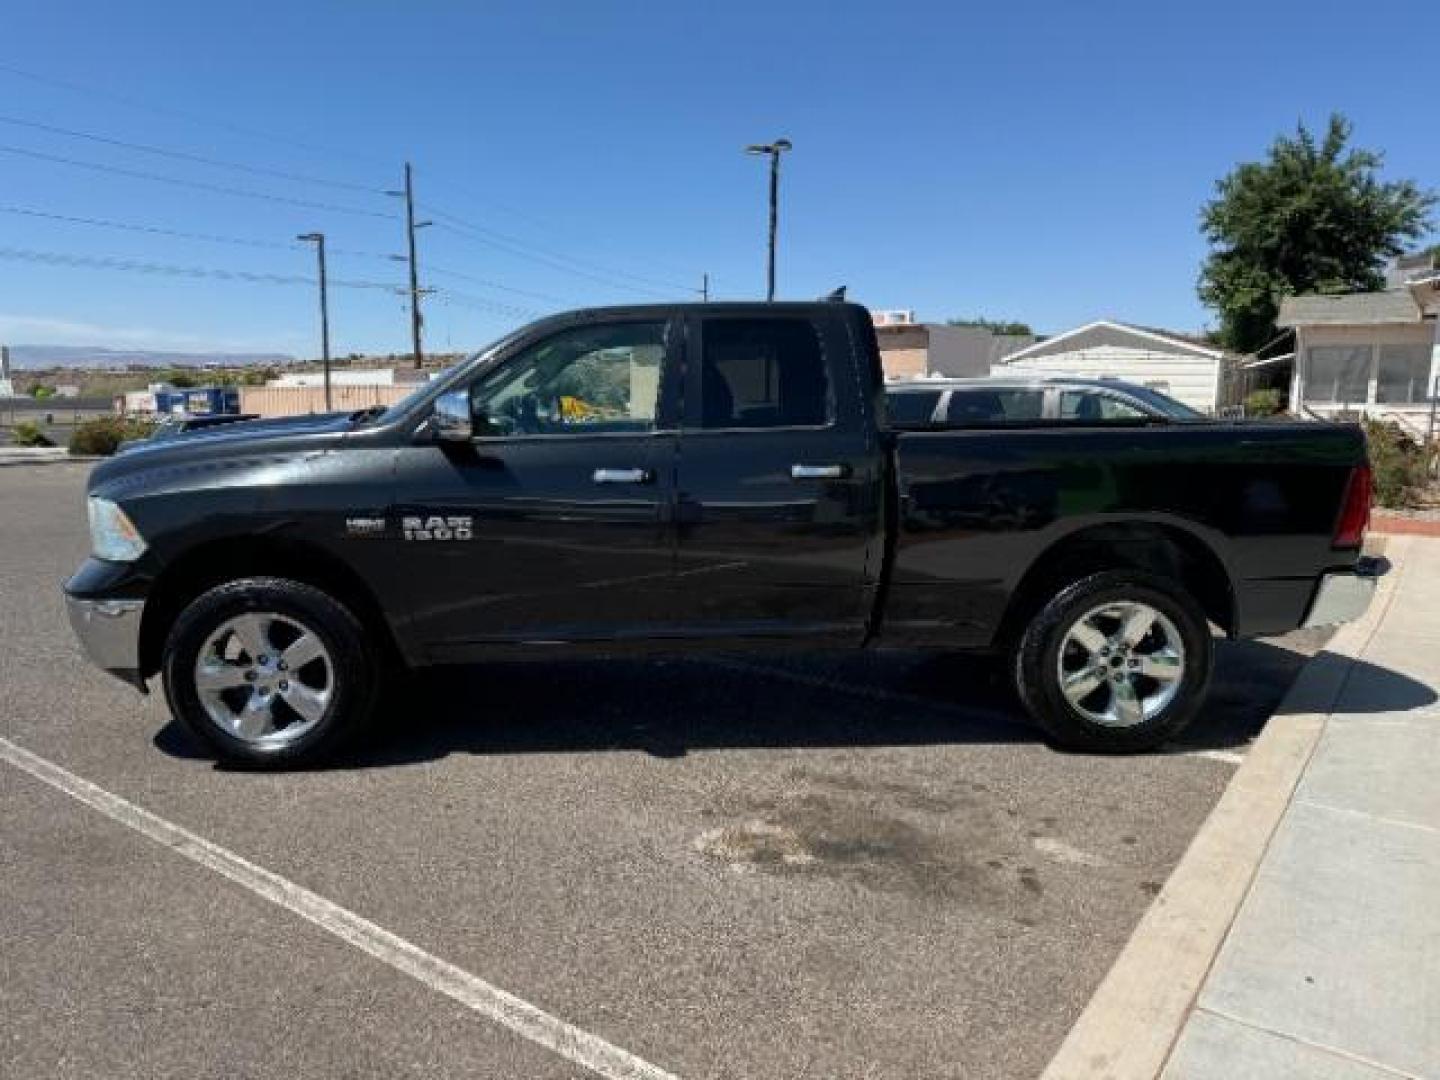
[{"x": 895, "y": 318}]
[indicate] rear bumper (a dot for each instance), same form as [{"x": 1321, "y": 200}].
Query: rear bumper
[
  {"x": 1342, "y": 597},
  {"x": 109, "y": 632}
]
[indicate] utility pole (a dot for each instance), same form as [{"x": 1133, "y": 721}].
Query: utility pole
[
  {"x": 410, "y": 226},
  {"x": 705, "y": 288},
  {"x": 318, "y": 239},
  {"x": 774, "y": 150}
]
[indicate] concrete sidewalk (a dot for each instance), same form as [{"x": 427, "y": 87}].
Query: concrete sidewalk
[
  {"x": 1332, "y": 966},
  {"x": 1300, "y": 936}
]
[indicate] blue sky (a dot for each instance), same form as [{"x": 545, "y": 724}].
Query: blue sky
[{"x": 1037, "y": 161}]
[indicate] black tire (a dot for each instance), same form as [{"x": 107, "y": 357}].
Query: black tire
[
  {"x": 352, "y": 668},
  {"x": 1037, "y": 663}
]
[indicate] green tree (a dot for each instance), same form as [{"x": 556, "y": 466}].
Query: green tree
[
  {"x": 1313, "y": 217},
  {"x": 995, "y": 326}
]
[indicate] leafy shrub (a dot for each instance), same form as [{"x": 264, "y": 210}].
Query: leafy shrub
[
  {"x": 1263, "y": 402},
  {"x": 1402, "y": 465},
  {"x": 29, "y": 433},
  {"x": 104, "y": 434}
]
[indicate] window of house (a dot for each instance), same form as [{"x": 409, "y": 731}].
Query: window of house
[
  {"x": 1403, "y": 374},
  {"x": 912, "y": 408},
  {"x": 763, "y": 373},
  {"x": 1337, "y": 373},
  {"x": 589, "y": 379},
  {"x": 1085, "y": 405},
  {"x": 976, "y": 408}
]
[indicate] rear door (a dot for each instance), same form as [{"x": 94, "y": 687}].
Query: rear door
[{"x": 779, "y": 479}]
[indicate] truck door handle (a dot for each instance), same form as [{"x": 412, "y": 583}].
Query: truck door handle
[
  {"x": 622, "y": 476},
  {"x": 819, "y": 472}
]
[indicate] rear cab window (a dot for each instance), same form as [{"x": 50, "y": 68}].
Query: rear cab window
[{"x": 911, "y": 408}]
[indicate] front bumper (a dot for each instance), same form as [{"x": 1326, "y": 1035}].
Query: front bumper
[
  {"x": 109, "y": 631},
  {"x": 1342, "y": 597}
]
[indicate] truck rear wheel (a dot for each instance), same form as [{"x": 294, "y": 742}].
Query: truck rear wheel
[
  {"x": 269, "y": 673},
  {"x": 1117, "y": 662}
]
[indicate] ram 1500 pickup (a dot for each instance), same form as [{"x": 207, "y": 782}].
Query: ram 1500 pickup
[{"x": 719, "y": 476}]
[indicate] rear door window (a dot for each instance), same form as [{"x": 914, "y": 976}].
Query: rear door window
[
  {"x": 980, "y": 406},
  {"x": 763, "y": 373}
]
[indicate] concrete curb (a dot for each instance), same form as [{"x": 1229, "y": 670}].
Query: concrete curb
[
  {"x": 13, "y": 460},
  {"x": 1398, "y": 525},
  {"x": 1132, "y": 1022}
]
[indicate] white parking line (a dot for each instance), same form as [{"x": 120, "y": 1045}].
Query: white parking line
[{"x": 526, "y": 1020}]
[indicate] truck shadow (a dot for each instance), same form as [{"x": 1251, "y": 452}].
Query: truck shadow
[{"x": 670, "y": 707}]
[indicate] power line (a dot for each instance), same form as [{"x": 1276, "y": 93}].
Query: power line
[
  {"x": 212, "y": 123},
  {"x": 189, "y": 117},
  {"x": 480, "y": 303},
  {"x": 444, "y": 272},
  {"x": 498, "y": 238},
  {"x": 181, "y": 155},
  {"x": 544, "y": 261},
  {"x": 152, "y": 230},
  {"x": 273, "y": 245},
  {"x": 196, "y": 184},
  {"x": 156, "y": 230},
  {"x": 139, "y": 266}
]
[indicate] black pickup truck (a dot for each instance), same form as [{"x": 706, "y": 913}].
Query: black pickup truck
[{"x": 719, "y": 476}]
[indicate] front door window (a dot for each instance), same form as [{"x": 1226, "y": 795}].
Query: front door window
[{"x": 586, "y": 380}]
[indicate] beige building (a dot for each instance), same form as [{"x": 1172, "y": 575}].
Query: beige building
[{"x": 917, "y": 350}]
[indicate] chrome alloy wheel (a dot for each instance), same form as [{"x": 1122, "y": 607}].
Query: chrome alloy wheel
[
  {"x": 264, "y": 678},
  {"x": 1121, "y": 663}
]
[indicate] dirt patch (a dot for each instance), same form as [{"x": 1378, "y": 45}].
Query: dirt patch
[{"x": 885, "y": 837}]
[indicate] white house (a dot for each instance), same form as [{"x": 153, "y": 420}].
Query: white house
[
  {"x": 1187, "y": 369},
  {"x": 1373, "y": 353}
]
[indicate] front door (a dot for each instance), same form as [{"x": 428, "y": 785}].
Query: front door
[
  {"x": 779, "y": 482},
  {"x": 553, "y": 524}
]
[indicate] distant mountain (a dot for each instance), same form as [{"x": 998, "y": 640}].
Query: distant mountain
[{"x": 31, "y": 357}]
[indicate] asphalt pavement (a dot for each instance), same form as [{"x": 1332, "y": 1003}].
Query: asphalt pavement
[{"x": 833, "y": 865}]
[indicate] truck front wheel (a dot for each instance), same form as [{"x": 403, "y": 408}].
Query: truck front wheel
[
  {"x": 1117, "y": 662},
  {"x": 269, "y": 673}
]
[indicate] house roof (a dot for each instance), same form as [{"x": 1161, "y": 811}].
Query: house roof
[
  {"x": 1350, "y": 309},
  {"x": 1106, "y": 331}
]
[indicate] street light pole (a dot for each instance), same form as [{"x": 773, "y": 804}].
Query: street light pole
[
  {"x": 774, "y": 150},
  {"x": 318, "y": 239}
]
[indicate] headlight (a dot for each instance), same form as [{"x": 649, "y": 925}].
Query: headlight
[{"x": 113, "y": 536}]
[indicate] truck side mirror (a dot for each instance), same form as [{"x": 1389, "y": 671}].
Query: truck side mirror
[{"x": 453, "y": 421}]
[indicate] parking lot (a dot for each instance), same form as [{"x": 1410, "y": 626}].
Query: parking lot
[{"x": 837, "y": 865}]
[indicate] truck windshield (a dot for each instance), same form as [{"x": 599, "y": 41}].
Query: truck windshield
[{"x": 1163, "y": 403}]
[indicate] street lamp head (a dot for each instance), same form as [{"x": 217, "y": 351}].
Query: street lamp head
[
  {"x": 783, "y": 144},
  {"x": 778, "y": 147},
  {"x": 312, "y": 237},
  {"x": 757, "y": 148}
]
